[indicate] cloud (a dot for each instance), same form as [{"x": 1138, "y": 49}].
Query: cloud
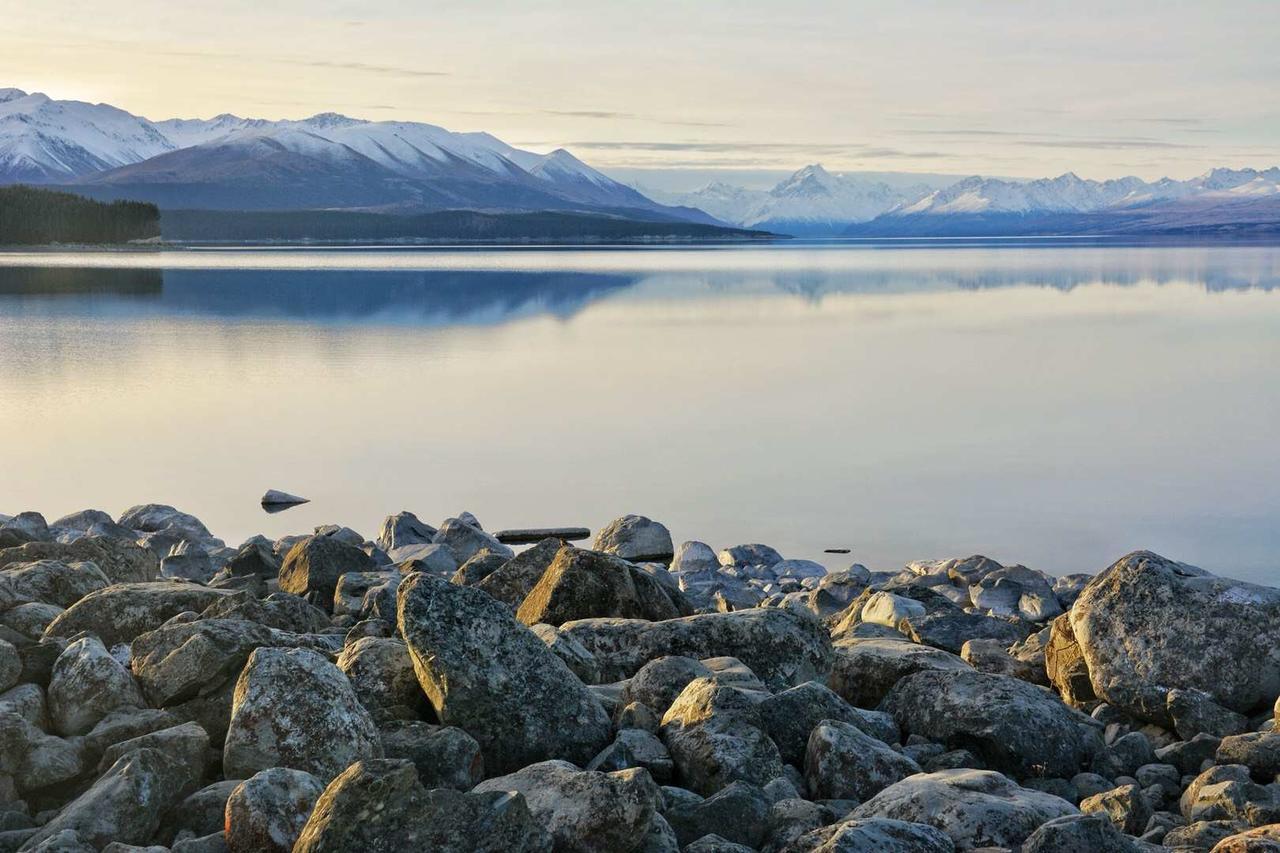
[
  {"x": 364, "y": 67},
  {"x": 1103, "y": 144},
  {"x": 852, "y": 149},
  {"x": 604, "y": 114}
]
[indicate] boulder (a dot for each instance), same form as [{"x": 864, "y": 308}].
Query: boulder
[
  {"x": 121, "y": 612},
  {"x": 153, "y": 518},
  {"x": 478, "y": 568},
  {"x": 445, "y": 756},
  {"x": 975, "y": 808},
  {"x": 1195, "y": 712},
  {"x": 583, "y": 810},
  {"x": 1148, "y": 625},
  {"x": 636, "y": 748},
  {"x": 1084, "y": 833},
  {"x": 1011, "y": 725},
  {"x": 125, "y": 804},
  {"x": 53, "y": 581},
  {"x": 491, "y": 676},
  {"x": 951, "y": 629},
  {"x": 1125, "y": 807},
  {"x": 790, "y": 716},
  {"x": 635, "y": 538},
  {"x": 466, "y": 540},
  {"x": 87, "y": 683},
  {"x": 382, "y": 675},
  {"x": 1259, "y": 751},
  {"x": 694, "y": 556},
  {"x": 877, "y": 834},
  {"x": 585, "y": 584},
  {"x": 188, "y": 744},
  {"x": 33, "y": 759},
  {"x": 1065, "y": 666},
  {"x": 380, "y": 805},
  {"x": 30, "y": 620},
  {"x": 1262, "y": 839},
  {"x": 121, "y": 560},
  {"x": 864, "y": 671},
  {"x": 518, "y": 575},
  {"x": 574, "y": 654},
  {"x": 436, "y": 559},
  {"x": 992, "y": 656},
  {"x": 885, "y": 608},
  {"x": 782, "y": 647},
  {"x": 293, "y": 708},
  {"x": 315, "y": 564},
  {"x": 404, "y": 528},
  {"x": 716, "y": 737},
  {"x": 200, "y": 814},
  {"x": 254, "y": 559},
  {"x": 279, "y": 610},
  {"x": 266, "y": 812},
  {"x": 10, "y": 665},
  {"x": 753, "y": 554},
  {"x": 842, "y": 763},
  {"x": 738, "y": 814},
  {"x": 276, "y": 499}
]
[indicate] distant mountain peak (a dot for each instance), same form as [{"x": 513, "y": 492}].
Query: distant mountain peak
[
  {"x": 7, "y": 95},
  {"x": 332, "y": 120}
]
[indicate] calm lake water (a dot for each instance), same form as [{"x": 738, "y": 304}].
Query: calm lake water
[{"x": 1052, "y": 405}]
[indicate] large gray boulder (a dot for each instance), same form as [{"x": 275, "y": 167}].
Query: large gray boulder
[
  {"x": 864, "y": 671},
  {"x": 1148, "y": 625},
  {"x": 124, "y": 805},
  {"x": 694, "y": 556},
  {"x": 1086, "y": 833},
  {"x": 842, "y": 763},
  {"x": 1013, "y": 726},
  {"x": 635, "y": 538},
  {"x": 491, "y": 676},
  {"x": 51, "y": 582},
  {"x": 154, "y": 518},
  {"x": 34, "y": 759},
  {"x": 381, "y": 672},
  {"x": 380, "y": 807},
  {"x": 716, "y": 737},
  {"x": 513, "y": 580},
  {"x": 586, "y": 584},
  {"x": 404, "y": 528},
  {"x": 446, "y": 756},
  {"x": 466, "y": 540},
  {"x": 266, "y": 812},
  {"x": 121, "y": 612},
  {"x": 975, "y": 808},
  {"x": 315, "y": 564},
  {"x": 584, "y": 810},
  {"x": 875, "y": 835},
  {"x": 121, "y": 560},
  {"x": 790, "y": 716},
  {"x": 293, "y": 708},
  {"x": 782, "y": 647},
  {"x": 87, "y": 684}
]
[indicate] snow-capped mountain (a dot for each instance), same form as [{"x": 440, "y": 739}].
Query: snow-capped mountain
[
  {"x": 43, "y": 140},
  {"x": 328, "y": 160},
  {"x": 1070, "y": 204},
  {"x": 811, "y": 201}
]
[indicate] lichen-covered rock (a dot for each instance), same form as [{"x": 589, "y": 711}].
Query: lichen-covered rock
[
  {"x": 122, "y": 611},
  {"x": 1126, "y": 807},
  {"x": 569, "y": 650},
  {"x": 716, "y": 737},
  {"x": 1085, "y": 833},
  {"x": 53, "y": 581},
  {"x": 1011, "y": 725},
  {"x": 1148, "y": 625},
  {"x": 880, "y": 835},
  {"x": 1065, "y": 666},
  {"x": 1223, "y": 792},
  {"x": 694, "y": 556},
  {"x": 279, "y": 610},
  {"x": 404, "y": 528},
  {"x": 254, "y": 559},
  {"x": 188, "y": 744},
  {"x": 1259, "y": 751},
  {"x": 636, "y": 748},
  {"x": 842, "y": 763},
  {"x": 200, "y": 814},
  {"x": 492, "y": 677},
  {"x": 266, "y": 812},
  {"x": 582, "y": 584},
  {"x": 445, "y": 756},
  {"x": 739, "y": 813},
  {"x": 864, "y": 671},
  {"x": 635, "y": 538},
  {"x": 1262, "y": 839},
  {"x": 975, "y": 808},
  {"x": 381, "y": 672},
  {"x": 992, "y": 656},
  {"x": 584, "y": 810},
  {"x": 1195, "y": 712},
  {"x": 10, "y": 665},
  {"x": 293, "y": 708},
  {"x": 125, "y": 804},
  {"x": 950, "y": 629},
  {"x": 315, "y": 564},
  {"x": 657, "y": 684},
  {"x": 782, "y": 647},
  {"x": 380, "y": 807},
  {"x": 29, "y": 620},
  {"x": 790, "y": 716},
  {"x": 518, "y": 575},
  {"x": 87, "y": 683},
  {"x": 121, "y": 560},
  {"x": 34, "y": 759},
  {"x": 466, "y": 540}
]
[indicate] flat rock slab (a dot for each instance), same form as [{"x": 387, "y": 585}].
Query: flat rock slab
[
  {"x": 274, "y": 497},
  {"x": 529, "y": 535}
]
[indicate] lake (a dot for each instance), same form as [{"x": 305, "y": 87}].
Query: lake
[{"x": 1045, "y": 403}]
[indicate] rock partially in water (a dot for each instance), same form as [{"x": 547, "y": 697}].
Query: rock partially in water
[{"x": 635, "y": 538}]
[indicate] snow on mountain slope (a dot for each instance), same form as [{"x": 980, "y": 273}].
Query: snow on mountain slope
[
  {"x": 46, "y": 140},
  {"x": 810, "y": 201}
]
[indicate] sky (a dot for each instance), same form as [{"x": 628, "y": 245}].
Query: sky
[{"x": 1000, "y": 88}]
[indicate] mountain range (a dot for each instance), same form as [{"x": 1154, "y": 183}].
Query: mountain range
[
  {"x": 815, "y": 202},
  {"x": 330, "y": 161},
  {"x": 326, "y": 161}
]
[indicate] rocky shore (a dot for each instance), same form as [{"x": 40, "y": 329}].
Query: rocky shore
[{"x": 432, "y": 689}]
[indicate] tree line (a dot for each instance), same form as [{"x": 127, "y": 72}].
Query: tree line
[{"x": 32, "y": 216}]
